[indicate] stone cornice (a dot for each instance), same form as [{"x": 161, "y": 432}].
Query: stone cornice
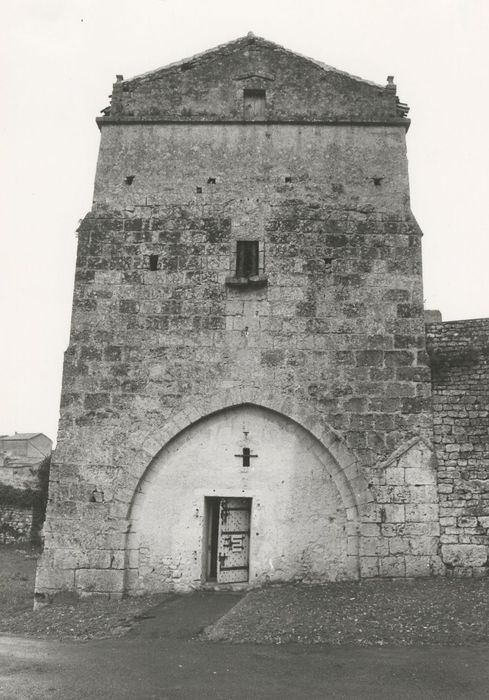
[{"x": 103, "y": 121}]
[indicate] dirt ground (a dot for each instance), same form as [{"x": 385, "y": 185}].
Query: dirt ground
[
  {"x": 67, "y": 618},
  {"x": 395, "y": 612},
  {"x": 368, "y": 613}
]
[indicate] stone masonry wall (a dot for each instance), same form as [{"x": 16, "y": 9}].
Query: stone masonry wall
[
  {"x": 459, "y": 353},
  {"x": 333, "y": 336},
  {"x": 210, "y": 87},
  {"x": 15, "y": 524},
  {"x": 338, "y": 327}
]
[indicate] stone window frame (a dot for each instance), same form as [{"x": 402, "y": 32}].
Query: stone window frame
[{"x": 259, "y": 280}]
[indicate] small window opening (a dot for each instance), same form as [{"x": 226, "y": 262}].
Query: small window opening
[
  {"x": 153, "y": 263},
  {"x": 129, "y": 179},
  {"x": 199, "y": 190},
  {"x": 377, "y": 181},
  {"x": 247, "y": 258},
  {"x": 254, "y": 104},
  {"x": 288, "y": 178},
  {"x": 211, "y": 181}
]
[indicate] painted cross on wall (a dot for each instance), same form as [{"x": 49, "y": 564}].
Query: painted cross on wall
[{"x": 246, "y": 456}]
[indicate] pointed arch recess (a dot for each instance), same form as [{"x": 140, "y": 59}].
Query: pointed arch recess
[
  {"x": 289, "y": 407},
  {"x": 355, "y": 487},
  {"x": 323, "y": 439}
]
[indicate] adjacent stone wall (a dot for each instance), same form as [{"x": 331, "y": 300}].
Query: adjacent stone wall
[
  {"x": 19, "y": 476},
  {"x": 15, "y": 524},
  {"x": 459, "y": 352},
  {"x": 23, "y": 497},
  {"x": 401, "y": 528}
]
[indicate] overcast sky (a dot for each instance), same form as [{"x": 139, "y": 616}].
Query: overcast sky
[{"x": 59, "y": 59}]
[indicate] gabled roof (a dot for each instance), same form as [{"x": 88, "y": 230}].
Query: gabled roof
[
  {"x": 20, "y": 436},
  {"x": 210, "y": 86},
  {"x": 236, "y": 45}
]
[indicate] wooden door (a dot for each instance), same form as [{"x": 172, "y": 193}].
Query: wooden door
[
  {"x": 254, "y": 105},
  {"x": 233, "y": 540}
]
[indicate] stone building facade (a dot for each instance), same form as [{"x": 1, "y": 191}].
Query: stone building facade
[{"x": 247, "y": 393}]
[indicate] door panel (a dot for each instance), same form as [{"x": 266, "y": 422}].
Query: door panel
[{"x": 234, "y": 540}]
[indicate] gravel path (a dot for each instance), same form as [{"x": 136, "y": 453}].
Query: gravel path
[{"x": 370, "y": 613}]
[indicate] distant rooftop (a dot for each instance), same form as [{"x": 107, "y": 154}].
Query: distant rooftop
[{"x": 21, "y": 436}]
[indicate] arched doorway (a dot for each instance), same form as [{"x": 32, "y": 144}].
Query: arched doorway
[{"x": 245, "y": 495}]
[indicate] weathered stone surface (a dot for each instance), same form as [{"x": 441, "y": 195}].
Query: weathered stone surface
[
  {"x": 324, "y": 346},
  {"x": 299, "y": 529},
  {"x": 297, "y": 89},
  {"x": 99, "y": 581},
  {"x": 459, "y": 353},
  {"x": 464, "y": 555},
  {"x": 15, "y": 524}
]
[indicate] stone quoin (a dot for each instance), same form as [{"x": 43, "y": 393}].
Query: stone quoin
[{"x": 247, "y": 394}]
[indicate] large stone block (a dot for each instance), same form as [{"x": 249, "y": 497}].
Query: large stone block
[
  {"x": 369, "y": 567},
  {"x": 50, "y": 579},
  {"x": 392, "y": 566},
  {"x": 99, "y": 581},
  {"x": 421, "y": 512},
  {"x": 464, "y": 555}
]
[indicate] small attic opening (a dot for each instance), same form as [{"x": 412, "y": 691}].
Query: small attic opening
[{"x": 254, "y": 103}]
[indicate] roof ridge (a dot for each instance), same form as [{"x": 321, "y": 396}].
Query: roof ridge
[
  {"x": 20, "y": 436},
  {"x": 249, "y": 38}
]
